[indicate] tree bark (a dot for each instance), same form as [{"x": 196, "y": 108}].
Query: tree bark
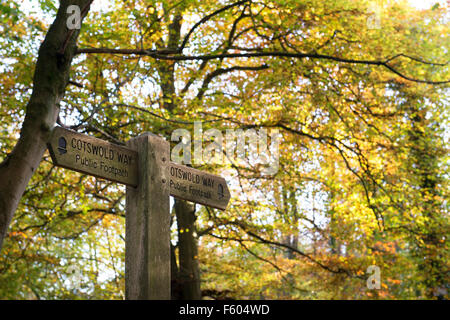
[
  {"x": 188, "y": 270},
  {"x": 185, "y": 274},
  {"x": 175, "y": 288},
  {"x": 430, "y": 251},
  {"x": 51, "y": 76}
]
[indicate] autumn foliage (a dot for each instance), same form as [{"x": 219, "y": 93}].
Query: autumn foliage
[{"x": 358, "y": 91}]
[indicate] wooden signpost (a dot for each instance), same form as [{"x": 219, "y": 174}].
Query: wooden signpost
[
  {"x": 93, "y": 156},
  {"x": 197, "y": 186},
  {"x": 144, "y": 166}
]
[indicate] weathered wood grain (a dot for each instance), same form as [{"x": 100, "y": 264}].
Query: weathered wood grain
[
  {"x": 93, "y": 156},
  {"x": 197, "y": 186},
  {"x": 147, "y": 240}
]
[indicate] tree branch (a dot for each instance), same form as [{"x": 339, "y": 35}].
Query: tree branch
[
  {"x": 206, "y": 18},
  {"x": 164, "y": 55},
  {"x": 221, "y": 71}
]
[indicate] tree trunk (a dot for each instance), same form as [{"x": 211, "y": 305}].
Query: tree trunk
[
  {"x": 430, "y": 248},
  {"x": 50, "y": 79},
  {"x": 185, "y": 275},
  {"x": 175, "y": 288},
  {"x": 188, "y": 270}
]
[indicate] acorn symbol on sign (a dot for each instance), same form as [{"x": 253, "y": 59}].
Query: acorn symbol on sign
[
  {"x": 62, "y": 143},
  {"x": 220, "y": 192}
]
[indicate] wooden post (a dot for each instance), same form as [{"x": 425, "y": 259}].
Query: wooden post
[
  {"x": 147, "y": 240},
  {"x": 151, "y": 178}
]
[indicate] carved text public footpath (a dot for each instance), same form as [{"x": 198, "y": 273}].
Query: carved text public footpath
[
  {"x": 94, "y": 156},
  {"x": 150, "y": 180}
]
